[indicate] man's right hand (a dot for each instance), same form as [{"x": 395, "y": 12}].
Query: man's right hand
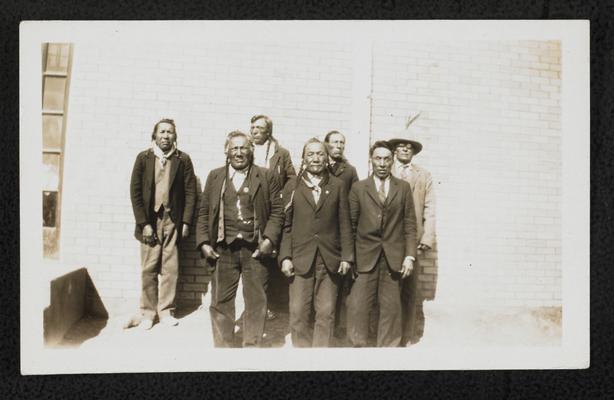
[
  {"x": 287, "y": 268},
  {"x": 208, "y": 252},
  {"x": 149, "y": 235}
]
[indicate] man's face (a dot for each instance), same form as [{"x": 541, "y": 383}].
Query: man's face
[
  {"x": 239, "y": 152},
  {"x": 381, "y": 161},
  {"x": 165, "y": 136},
  {"x": 259, "y": 131},
  {"x": 404, "y": 152},
  {"x": 336, "y": 146},
  {"x": 315, "y": 158}
]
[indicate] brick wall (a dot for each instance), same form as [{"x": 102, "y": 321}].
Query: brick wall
[{"x": 490, "y": 126}]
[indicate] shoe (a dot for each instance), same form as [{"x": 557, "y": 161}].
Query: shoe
[
  {"x": 169, "y": 321},
  {"x": 270, "y": 315},
  {"x": 146, "y": 324}
]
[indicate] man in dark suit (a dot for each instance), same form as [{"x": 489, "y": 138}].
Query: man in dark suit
[
  {"x": 163, "y": 194},
  {"x": 268, "y": 153},
  {"x": 338, "y": 165},
  {"x": 239, "y": 224},
  {"x": 384, "y": 225},
  {"x": 316, "y": 248},
  {"x": 342, "y": 169}
]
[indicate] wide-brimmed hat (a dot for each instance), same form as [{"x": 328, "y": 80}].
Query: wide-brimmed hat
[{"x": 416, "y": 146}]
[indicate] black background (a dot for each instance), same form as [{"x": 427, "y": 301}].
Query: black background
[{"x": 597, "y": 382}]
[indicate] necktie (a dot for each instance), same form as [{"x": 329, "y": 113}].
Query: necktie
[
  {"x": 381, "y": 192},
  {"x": 405, "y": 172}
]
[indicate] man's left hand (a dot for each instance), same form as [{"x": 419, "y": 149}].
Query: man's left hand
[
  {"x": 407, "y": 268},
  {"x": 185, "y": 231}
]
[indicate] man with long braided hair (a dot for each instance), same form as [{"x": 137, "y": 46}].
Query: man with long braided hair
[
  {"x": 316, "y": 248},
  {"x": 239, "y": 225}
]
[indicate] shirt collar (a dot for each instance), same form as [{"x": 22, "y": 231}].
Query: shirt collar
[
  {"x": 399, "y": 165},
  {"x": 233, "y": 171}
]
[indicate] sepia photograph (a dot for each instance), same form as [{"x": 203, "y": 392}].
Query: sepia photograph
[{"x": 304, "y": 195}]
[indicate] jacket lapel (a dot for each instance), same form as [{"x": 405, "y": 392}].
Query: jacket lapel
[
  {"x": 253, "y": 181},
  {"x": 174, "y": 163},
  {"x": 372, "y": 192},
  {"x": 274, "y": 160},
  {"x": 324, "y": 195},
  {"x": 393, "y": 190},
  {"x": 217, "y": 190},
  {"x": 150, "y": 167}
]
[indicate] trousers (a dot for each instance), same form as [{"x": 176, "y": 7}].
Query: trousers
[
  {"x": 160, "y": 263},
  {"x": 236, "y": 263},
  {"x": 382, "y": 287},
  {"x": 316, "y": 291}
]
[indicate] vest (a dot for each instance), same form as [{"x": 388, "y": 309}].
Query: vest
[
  {"x": 238, "y": 213},
  {"x": 162, "y": 179}
]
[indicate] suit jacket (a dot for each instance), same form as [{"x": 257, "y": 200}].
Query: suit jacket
[
  {"x": 424, "y": 201},
  {"x": 281, "y": 163},
  {"x": 347, "y": 173},
  {"x": 390, "y": 227},
  {"x": 267, "y": 202},
  {"x": 324, "y": 226},
  {"x": 182, "y": 190}
]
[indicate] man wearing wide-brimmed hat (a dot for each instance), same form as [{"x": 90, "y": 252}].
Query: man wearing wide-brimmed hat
[{"x": 424, "y": 201}]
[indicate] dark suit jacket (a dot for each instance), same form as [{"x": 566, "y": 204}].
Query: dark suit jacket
[
  {"x": 281, "y": 163},
  {"x": 347, "y": 173},
  {"x": 324, "y": 226},
  {"x": 267, "y": 202},
  {"x": 390, "y": 227},
  {"x": 182, "y": 190}
]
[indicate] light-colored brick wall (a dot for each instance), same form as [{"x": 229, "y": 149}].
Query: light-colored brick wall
[{"x": 490, "y": 126}]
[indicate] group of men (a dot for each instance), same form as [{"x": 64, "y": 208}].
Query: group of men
[{"x": 322, "y": 228}]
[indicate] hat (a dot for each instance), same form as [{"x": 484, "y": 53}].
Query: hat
[{"x": 416, "y": 146}]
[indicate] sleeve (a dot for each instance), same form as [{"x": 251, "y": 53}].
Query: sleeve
[
  {"x": 354, "y": 176},
  {"x": 409, "y": 222},
  {"x": 202, "y": 222},
  {"x": 136, "y": 192},
  {"x": 285, "y": 249},
  {"x": 354, "y": 204},
  {"x": 189, "y": 182},
  {"x": 276, "y": 217},
  {"x": 345, "y": 227},
  {"x": 288, "y": 167},
  {"x": 429, "y": 235}
]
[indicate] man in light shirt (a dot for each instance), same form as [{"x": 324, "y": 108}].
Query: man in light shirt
[
  {"x": 239, "y": 225},
  {"x": 384, "y": 226},
  {"x": 424, "y": 201}
]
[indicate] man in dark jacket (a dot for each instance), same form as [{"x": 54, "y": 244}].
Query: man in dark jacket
[
  {"x": 384, "y": 225},
  {"x": 163, "y": 194},
  {"x": 316, "y": 248},
  {"x": 268, "y": 153},
  {"x": 239, "y": 224}
]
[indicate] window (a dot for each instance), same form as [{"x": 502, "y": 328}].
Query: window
[{"x": 56, "y": 65}]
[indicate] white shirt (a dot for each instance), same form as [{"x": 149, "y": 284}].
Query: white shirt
[
  {"x": 315, "y": 182},
  {"x": 403, "y": 170},
  {"x": 237, "y": 177},
  {"x": 260, "y": 153},
  {"x": 378, "y": 183}
]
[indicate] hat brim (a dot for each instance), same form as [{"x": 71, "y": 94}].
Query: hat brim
[{"x": 416, "y": 146}]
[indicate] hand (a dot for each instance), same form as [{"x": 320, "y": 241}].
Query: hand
[
  {"x": 186, "y": 231},
  {"x": 208, "y": 252},
  {"x": 344, "y": 267},
  {"x": 265, "y": 248},
  {"x": 287, "y": 268},
  {"x": 423, "y": 247},
  {"x": 407, "y": 268},
  {"x": 149, "y": 237}
]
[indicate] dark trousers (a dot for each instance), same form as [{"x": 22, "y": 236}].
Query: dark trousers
[
  {"x": 314, "y": 291},
  {"x": 163, "y": 260},
  {"x": 411, "y": 302},
  {"x": 382, "y": 287},
  {"x": 236, "y": 263}
]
